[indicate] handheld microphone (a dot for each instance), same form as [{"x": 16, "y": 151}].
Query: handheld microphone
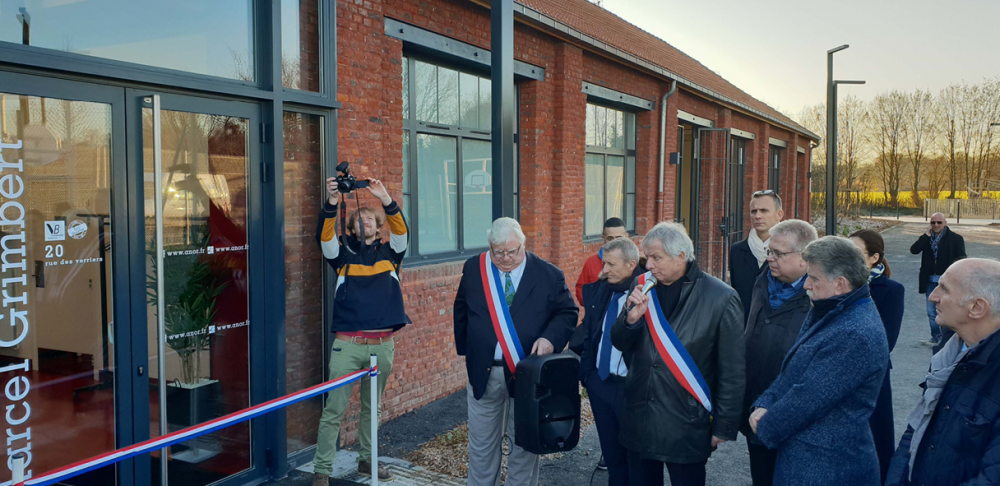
[{"x": 645, "y": 289}]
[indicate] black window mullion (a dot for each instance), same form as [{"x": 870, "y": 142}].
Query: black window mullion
[{"x": 459, "y": 193}]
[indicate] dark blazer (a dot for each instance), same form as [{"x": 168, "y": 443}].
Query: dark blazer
[
  {"x": 769, "y": 336},
  {"x": 951, "y": 249},
  {"x": 888, "y": 296},
  {"x": 818, "y": 408},
  {"x": 743, "y": 272},
  {"x": 962, "y": 442},
  {"x": 596, "y": 297},
  {"x": 663, "y": 421},
  {"x": 542, "y": 307}
]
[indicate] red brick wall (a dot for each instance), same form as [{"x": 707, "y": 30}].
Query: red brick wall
[{"x": 552, "y": 121}]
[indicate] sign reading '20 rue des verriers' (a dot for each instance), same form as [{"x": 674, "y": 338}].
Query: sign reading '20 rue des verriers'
[{"x": 14, "y": 305}]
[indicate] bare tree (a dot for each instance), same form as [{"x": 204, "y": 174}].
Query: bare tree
[
  {"x": 850, "y": 141},
  {"x": 937, "y": 169},
  {"x": 920, "y": 132},
  {"x": 887, "y": 131},
  {"x": 948, "y": 103}
]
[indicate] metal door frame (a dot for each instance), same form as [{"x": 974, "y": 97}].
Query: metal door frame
[
  {"x": 121, "y": 205},
  {"x": 696, "y": 183},
  {"x": 135, "y": 102}
]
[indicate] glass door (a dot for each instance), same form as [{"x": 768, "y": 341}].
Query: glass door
[
  {"x": 198, "y": 157},
  {"x": 63, "y": 262}
]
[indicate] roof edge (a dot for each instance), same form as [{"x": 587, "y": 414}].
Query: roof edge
[{"x": 545, "y": 21}]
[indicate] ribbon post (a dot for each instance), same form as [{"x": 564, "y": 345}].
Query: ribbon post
[{"x": 373, "y": 379}]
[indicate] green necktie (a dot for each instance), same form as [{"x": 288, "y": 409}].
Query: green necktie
[{"x": 508, "y": 290}]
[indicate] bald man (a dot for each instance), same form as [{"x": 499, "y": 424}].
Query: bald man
[
  {"x": 953, "y": 435},
  {"x": 940, "y": 247}
]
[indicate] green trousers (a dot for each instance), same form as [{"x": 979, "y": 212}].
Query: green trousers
[{"x": 347, "y": 357}]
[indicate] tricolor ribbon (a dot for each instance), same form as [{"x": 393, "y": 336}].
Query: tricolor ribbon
[
  {"x": 496, "y": 301},
  {"x": 109, "y": 458},
  {"x": 674, "y": 354}
]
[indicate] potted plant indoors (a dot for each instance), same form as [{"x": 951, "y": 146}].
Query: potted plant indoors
[{"x": 191, "y": 290}]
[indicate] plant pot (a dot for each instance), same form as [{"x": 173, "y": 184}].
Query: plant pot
[{"x": 191, "y": 404}]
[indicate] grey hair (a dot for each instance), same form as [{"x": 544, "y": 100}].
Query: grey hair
[
  {"x": 503, "y": 230},
  {"x": 674, "y": 239},
  {"x": 838, "y": 257},
  {"x": 983, "y": 282},
  {"x": 624, "y": 245},
  {"x": 800, "y": 232}
]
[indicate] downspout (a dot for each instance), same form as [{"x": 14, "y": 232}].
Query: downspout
[{"x": 663, "y": 148}]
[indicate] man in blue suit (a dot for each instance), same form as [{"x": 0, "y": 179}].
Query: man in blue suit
[
  {"x": 816, "y": 412},
  {"x": 602, "y": 366},
  {"x": 510, "y": 303}
]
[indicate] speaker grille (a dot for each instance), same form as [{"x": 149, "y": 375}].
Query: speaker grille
[{"x": 541, "y": 391}]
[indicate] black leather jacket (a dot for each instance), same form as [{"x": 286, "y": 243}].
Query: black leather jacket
[{"x": 662, "y": 420}]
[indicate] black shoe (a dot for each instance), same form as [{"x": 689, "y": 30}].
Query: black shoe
[{"x": 601, "y": 465}]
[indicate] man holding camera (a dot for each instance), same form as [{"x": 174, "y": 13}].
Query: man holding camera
[{"x": 368, "y": 309}]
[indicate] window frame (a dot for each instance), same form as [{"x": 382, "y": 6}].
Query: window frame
[
  {"x": 412, "y": 128},
  {"x": 774, "y": 168},
  {"x": 630, "y": 137}
]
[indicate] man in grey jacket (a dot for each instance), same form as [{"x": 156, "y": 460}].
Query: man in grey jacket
[{"x": 684, "y": 345}]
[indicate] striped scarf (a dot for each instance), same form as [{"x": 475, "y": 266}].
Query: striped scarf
[
  {"x": 935, "y": 241},
  {"x": 876, "y": 272}
]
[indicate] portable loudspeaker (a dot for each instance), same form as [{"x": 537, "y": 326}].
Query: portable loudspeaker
[{"x": 547, "y": 403}]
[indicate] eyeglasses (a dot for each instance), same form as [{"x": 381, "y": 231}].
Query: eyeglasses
[
  {"x": 498, "y": 254},
  {"x": 779, "y": 254},
  {"x": 937, "y": 222},
  {"x": 765, "y": 192}
]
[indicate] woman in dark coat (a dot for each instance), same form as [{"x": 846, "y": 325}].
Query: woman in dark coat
[{"x": 888, "y": 297}]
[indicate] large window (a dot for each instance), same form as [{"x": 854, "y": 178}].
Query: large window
[
  {"x": 774, "y": 168},
  {"x": 213, "y": 38},
  {"x": 609, "y": 176},
  {"x": 447, "y": 159}
]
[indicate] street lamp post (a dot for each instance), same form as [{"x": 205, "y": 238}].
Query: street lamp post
[{"x": 831, "y": 140}]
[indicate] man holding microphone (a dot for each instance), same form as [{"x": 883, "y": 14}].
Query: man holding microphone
[{"x": 684, "y": 345}]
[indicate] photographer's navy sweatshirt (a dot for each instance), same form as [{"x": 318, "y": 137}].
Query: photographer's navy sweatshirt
[{"x": 368, "y": 294}]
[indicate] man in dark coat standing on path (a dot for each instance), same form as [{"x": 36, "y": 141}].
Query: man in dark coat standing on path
[
  {"x": 602, "y": 366},
  {"x": 684, "y": 345},
  {"x": 535, "y": 314},
  {"x": 953, "y": 435},
  {"x": 938, "y": 248},
  {"x": 747, "y": 257},
  {"x": 777, "y": 310},
  {"x": 816, "y": 413}
]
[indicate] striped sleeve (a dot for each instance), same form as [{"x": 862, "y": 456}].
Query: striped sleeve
[
  {"x": 326, "y": 233},
  {"x": 397, "y": 227}
]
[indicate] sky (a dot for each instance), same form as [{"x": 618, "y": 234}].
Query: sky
[{"x": 776, "y": 50}]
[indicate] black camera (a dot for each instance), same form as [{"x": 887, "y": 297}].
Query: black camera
[{"x": 346, "y": 182}]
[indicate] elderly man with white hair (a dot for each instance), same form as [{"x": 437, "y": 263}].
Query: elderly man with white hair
[
  {"x": 683, "y": 342},
  {"x": 510, "y": 303},
  {"x": 953, "y": 435}
]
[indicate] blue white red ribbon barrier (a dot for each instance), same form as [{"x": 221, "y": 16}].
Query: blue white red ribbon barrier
[{"x": 109, "y": 458}]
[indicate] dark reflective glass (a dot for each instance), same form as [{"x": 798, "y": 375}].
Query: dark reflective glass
[{"x": 204, "y": 37}]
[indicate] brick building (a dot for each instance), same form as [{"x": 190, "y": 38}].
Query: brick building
[
  {"x": 156, "y": 158},
  {"x": 412, "y": 77}
]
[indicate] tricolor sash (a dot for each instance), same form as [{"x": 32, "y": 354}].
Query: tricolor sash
[
  {"x": 677, "y": 358},
  {"x": 496, "y": 301}
]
